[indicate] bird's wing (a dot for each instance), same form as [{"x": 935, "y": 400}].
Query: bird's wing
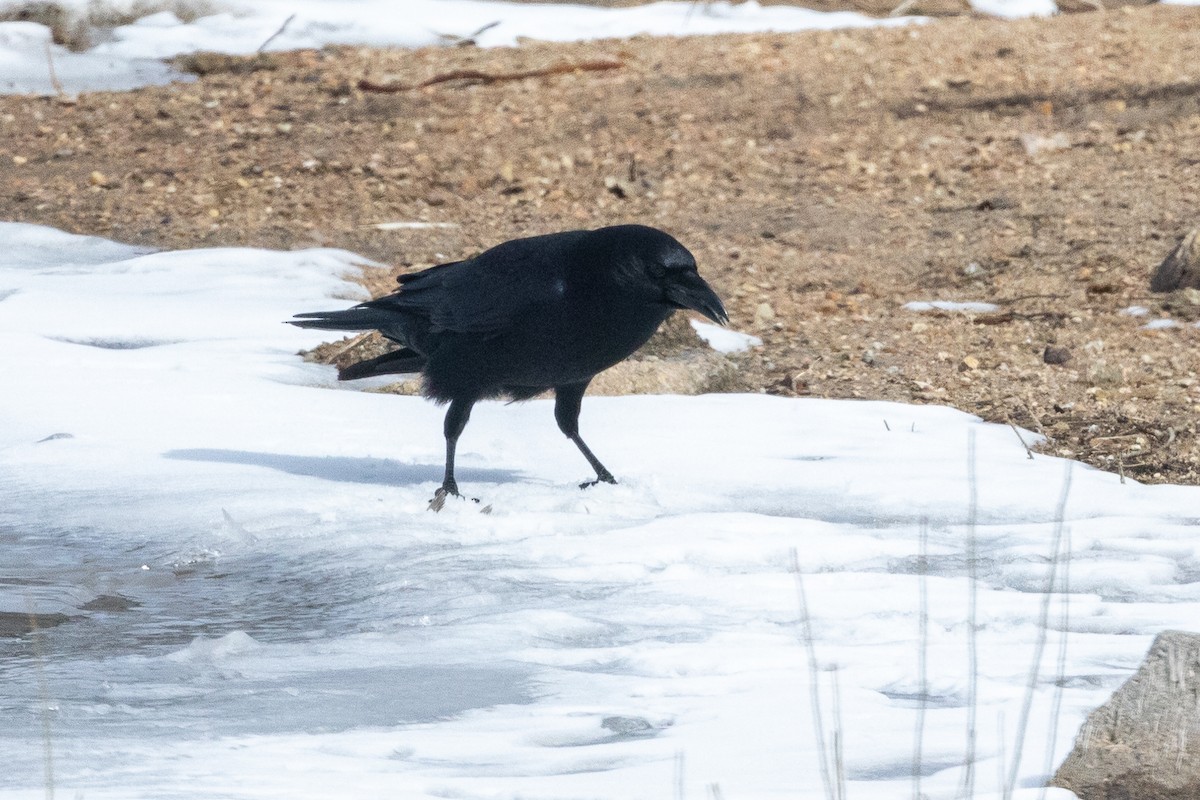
[{"x": 488, "y": 293}]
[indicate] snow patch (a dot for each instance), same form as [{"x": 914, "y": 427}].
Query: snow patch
[
  {"x": 298, "y": 605},
  {"x": 1160, "y": 324},
  {"x": 724, "y": 340},
  {"x": 947, "y": 305}
]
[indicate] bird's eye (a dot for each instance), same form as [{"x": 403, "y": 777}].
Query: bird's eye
[{"x": 657, "y": 270}]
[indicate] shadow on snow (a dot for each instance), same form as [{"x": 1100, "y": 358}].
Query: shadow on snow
[{"x": 344, "y": 469}]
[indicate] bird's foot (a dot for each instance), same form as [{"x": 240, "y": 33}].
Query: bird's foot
[
  {"x": 603, "y": 477},
  {"x": 439, "y": 499}
]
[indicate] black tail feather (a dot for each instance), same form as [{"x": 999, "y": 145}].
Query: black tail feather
[
  {"x": 397, "y": 362},
  {"x": 359, "y": 318}
]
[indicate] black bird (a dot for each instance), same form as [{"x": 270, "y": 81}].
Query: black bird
[{"x": 546, "y": 312}]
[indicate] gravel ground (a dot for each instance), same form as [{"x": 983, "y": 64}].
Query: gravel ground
[{"x": 823, "y": 180}]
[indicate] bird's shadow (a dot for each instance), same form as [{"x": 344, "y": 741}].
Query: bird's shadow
[{"x": 344, "y": 469}]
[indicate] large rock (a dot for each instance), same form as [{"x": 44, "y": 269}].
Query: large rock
[
  {"x": 1144, "y": 743},
  {"x": 1181, "y": 269}
]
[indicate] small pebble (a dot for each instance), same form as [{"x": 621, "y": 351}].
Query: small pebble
[{"x": 1056, "y": 355}]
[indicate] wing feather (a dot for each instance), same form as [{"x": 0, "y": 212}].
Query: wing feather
[{"x": 487, "y": 294}]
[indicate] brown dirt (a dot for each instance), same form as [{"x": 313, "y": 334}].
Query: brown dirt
[{"x": 822, "y": 179}]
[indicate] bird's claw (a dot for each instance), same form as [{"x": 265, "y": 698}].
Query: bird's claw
[
  {"x": 438, "y": 502},
  {"x": 605, "y": 477},
  {"x": 439, "y": 499}
]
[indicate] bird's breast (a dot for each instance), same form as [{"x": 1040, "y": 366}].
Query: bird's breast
[{"x": 557, "y": 348}]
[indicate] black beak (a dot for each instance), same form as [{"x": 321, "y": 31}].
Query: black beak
[{"x": 688, "y": 290}]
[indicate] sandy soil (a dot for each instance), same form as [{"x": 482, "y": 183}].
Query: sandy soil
[{"x": 822, "y": 179}]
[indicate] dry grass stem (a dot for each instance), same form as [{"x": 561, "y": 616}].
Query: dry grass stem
[
  {"x": 814, "y": 690},
  {"x": 1060, "y": 514}
]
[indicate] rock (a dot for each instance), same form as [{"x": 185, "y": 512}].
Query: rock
[
  {"x": 1035, "y": 143},
  {"x": 1181, "y": 269},
  {"x": 693, "y": 372},
  {"x": 764, "y": 314},
  {"x": 18, "y": 623},
  {"x": 1103, "y": 374},
  {"x": 968, "y": 364},
  {"x": 1142, "y": 743},
  {"x": 1056, "y": 355},
  {"x": 110, "y": 603}
]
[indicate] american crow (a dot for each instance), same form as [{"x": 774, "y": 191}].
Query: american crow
[{"x": 546, "y": 312}]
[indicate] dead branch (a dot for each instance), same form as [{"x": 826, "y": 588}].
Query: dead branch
[{"x": 478, "y": 76}]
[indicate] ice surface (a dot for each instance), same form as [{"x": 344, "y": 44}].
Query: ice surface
[{"x": 261, "y": 606}]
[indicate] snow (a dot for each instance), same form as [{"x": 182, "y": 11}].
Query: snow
[
  {"x": 27, "y": 56},
  {"x": 129, "y": 55},
  {"x": 1134, "y": 311},
  {"x": 302, "y": 627},
  {"x": 1015, "y": 9},
  {"x": 1160, "y": 324},
  {"x": 305, "y": 628},
  {"x": 724, "y": 340},
  {"x": 970, "y": 307},
  {"x": 132, "y": 37}
]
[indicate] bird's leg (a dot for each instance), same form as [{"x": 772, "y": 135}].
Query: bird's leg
[
  {"x": 567, "y": 402},
  {"x": 456, "y": 420}
]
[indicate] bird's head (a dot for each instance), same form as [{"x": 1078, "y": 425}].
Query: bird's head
[{"x": 663, "y": 271}]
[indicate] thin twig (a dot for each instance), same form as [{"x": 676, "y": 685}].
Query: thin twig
[
  {"x": 1028, "y": 452},
  {"x": 1064, "y": 622},
  {"x": 1008, "y": 301},
  {"x": 39, "y": 655},
  {"x": 276, "y": 34},
  {"x": 922, "y": 654},
  {"x": 490, "y": 77},
  {"x": 1027, "y": 401},
  {"x": 679, "y": 771},
  {"x": 1001, "y": 737},
  {"x": 1060, "y": 515},
  {"x": 415, "y": 225},
  {"x": 814, "y": 689},
  {"x": 968, "y": 782},
  {"x": 469, "y": 39},
  {"x": 351, "y": 343},
  {"x": 839, "y": 744},
  {"x": 54, "y": 81}
]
